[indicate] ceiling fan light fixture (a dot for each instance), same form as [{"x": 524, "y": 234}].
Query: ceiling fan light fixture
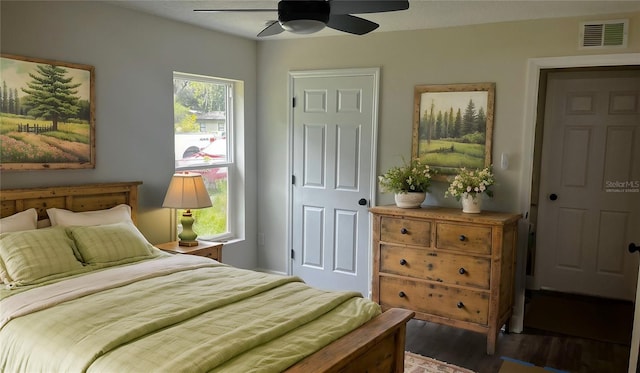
[
  {"x": 303, "y": 17},
  {"x": 303, "y": 26},
  {"x": 309, "y": 16}
]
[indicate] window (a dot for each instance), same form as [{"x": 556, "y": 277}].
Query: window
[{"x": 203, "y": 128}]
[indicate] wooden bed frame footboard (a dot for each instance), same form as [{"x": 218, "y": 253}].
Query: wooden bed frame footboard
[{"x": 377, "y": 346}]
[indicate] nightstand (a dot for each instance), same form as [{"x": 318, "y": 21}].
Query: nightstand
[{"x": 207, "y": 249}]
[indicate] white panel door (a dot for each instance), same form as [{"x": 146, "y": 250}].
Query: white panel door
[
  {"x": 589, "y": 209},
  {"x": 333, "y": 137}
]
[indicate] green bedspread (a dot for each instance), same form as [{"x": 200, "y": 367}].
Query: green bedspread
[{"x": 209, "y": 318}]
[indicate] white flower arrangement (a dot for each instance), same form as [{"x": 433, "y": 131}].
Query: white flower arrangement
[
  {"x": 471, "y": 182},
  {"x": 411, "y": 177}
]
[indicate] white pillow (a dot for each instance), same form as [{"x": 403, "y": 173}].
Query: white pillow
[
  {"x": 117, "y": 214},
  {"x": 21, "y": 221}
]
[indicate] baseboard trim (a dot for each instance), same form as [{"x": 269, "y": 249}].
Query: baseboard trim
[
  {"x": 270, "y": 271},
  {"x": 516, "y": 325}
]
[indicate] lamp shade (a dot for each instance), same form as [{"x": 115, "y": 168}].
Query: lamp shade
[{"x": 187, "y": 191}]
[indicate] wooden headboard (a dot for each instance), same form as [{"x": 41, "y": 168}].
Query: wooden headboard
[{"x": 77, "y": 198}]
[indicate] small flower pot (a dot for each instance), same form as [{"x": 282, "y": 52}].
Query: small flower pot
[
  {"x": 410, "y": 200},
  {"x": 471, "y": 204}
]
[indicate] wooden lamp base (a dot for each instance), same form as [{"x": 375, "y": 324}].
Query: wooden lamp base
[{"x": 187, "y": 243}]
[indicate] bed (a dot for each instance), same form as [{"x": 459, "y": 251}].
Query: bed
[{"x": 145, "y": 310}]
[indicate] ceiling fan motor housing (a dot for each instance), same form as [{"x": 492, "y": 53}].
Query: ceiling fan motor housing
[{"x": 303, "y": 16}]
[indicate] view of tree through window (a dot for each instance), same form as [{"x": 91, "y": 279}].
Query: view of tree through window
[{"x": 202, "y": 127}]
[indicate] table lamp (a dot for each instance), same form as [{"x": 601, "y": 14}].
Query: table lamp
[{"x": 187, "y": 191}]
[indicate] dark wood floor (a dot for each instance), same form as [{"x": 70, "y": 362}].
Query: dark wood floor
[{"x": 468, "y": 349}]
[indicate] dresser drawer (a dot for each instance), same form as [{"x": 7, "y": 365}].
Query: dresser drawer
[
  {"x": 435, "y": 299},
  {"x": 435, "y": 265},
  {"x": 405, "y": 231},
  {"x": 467, "y": 238}
]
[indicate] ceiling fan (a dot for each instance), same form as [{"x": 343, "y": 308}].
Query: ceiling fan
[{"x": 309, "y": 16}]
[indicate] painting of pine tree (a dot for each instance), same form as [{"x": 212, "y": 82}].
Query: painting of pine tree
[
  {"x": 453, "y": 126},
  {"x": 46, "y": 114}
]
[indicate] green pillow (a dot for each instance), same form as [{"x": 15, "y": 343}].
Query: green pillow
[
  {"x": 30, "y": 257},
  {"x": 111, "y": 244}
]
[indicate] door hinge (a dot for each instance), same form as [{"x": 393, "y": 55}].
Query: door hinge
[
  {"x": 293, "y": 102},
  {"x": 293, "y": 254},
  {"x": 293, "y": 179}
]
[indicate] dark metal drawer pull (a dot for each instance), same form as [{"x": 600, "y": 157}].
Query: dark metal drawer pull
[
  {"x": 462, "y": 237},
  {"x": 462, "y": 271},
  {"x": 402, "y": 294},
  {"x": 460, "y": 305},
  {"x": 404, "y": 231},
  {"x": 403, "y": 262}
]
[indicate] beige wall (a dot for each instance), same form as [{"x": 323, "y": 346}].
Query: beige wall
[
  {"x": 484, "y": 53},
  {"x": 135, "y": 55}
]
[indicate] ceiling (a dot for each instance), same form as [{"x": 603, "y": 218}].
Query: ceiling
[{"x": 422, "y": 14}]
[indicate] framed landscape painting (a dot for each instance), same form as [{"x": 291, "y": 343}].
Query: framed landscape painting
[
  {"x": 47, "y": 114},
  {"x": 453, "y": 126}
]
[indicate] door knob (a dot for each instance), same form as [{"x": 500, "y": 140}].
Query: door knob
[
  {"x": 362, "y": 202},
  {"x": 553, "y": 196},
  {"x": 633, "y": 247}
]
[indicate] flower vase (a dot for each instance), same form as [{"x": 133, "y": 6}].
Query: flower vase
[
  {"x": 410, "y": 200},
  {"x": 471, "y": 203}
]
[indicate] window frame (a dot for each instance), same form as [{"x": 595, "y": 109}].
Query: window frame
[{"x": 234, "y": 217}]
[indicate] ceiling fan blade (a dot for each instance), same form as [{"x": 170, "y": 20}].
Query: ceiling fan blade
[
  {"x": 235, "y": 10},
  {"x": 351, "y": 24},
  {"x": 273, "y": 29},
  {"x": 367, "y": 6}
]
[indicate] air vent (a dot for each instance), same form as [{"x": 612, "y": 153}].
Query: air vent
[{"x": 604, "y": 34}]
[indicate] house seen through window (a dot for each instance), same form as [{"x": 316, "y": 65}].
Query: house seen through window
[{"x": 203, "y": 128}]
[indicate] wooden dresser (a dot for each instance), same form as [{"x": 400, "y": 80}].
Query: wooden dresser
[{"x": 447, "y": 266}]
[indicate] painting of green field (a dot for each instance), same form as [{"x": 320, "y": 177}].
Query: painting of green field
[
  {"x": 447, "y": 156},
  {"x": 70, "y": 143},
  {"x": 79, "y": 132},
  {"x": 47, "y": 116}
]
